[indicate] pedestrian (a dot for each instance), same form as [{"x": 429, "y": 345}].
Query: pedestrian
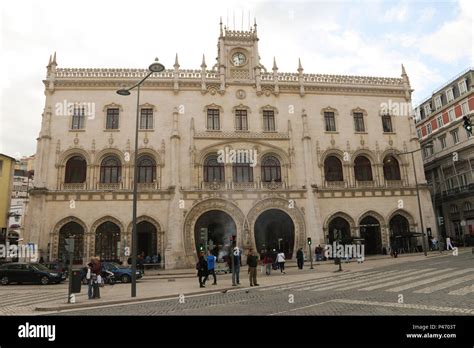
[
  {"x": 252, "y": 262},
  {"x": 201, "y": 267},
  {"x": 96, "y": 268},
  {"x": 317, "y": 252},
  {"x": 300, "y": 258},
  {"x": 41, "y": 260},
  {"x": 236, "y": 263},
  {"x": 211, "y": 264},
  {"x": 281, "y": 261},
  {"x": 448, "y": 244},
  {"x": 88, "y": 271},
  {"x": 262, "y": 258},
  {"x": 268, "y": 261}
]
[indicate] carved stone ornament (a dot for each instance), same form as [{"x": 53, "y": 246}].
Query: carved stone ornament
[{"x": 240, "y": 94}]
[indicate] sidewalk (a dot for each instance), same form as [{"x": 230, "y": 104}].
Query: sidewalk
[{"x": 163, "y": 285}]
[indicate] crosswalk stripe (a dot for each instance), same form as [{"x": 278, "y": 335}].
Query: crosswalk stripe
[
  {"x": 22, "y": 299},
  {"x": 312, "y": 281},
  {"x": 445, "y": 285},
  {"x": 463, "y": 291},
  {"x": 396, "y": 282},
  {"x": 362, "y": 280},
  {"x": 429, "y": 280},
  {"x": 401, "y": 274}
]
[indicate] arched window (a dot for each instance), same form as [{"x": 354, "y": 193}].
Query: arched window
[
  {"x": 271, "y": 169},
  {"x": 333, "y": 169},
  {"x": 391, "y": 169},
  {"x": 76, "y": 168},
  {"x": 242, "y": 172},
  {"x": 213, "y": 170},
  {"x": 146, "y": 169},
  {"x": 467, "y": 206},
  {"x": 362, "y": 169},
  {"x": 110, "y": 170}
]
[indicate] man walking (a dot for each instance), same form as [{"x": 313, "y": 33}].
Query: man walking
[
  {"x": 281, "y": 261},
  {"x": 300, "y": 258},
  {"x": 236, "y": 262},
  {"x": 201, "y": 267},
  {"x": 252, "y": 261},
  {"x": 211, "y": 263}
]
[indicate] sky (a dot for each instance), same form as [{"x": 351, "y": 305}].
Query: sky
[{"x": 433, "y": 39}]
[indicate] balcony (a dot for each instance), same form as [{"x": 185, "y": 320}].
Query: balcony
[
  {"x": 335, "y": 184},
  {"x": 365, "y": 184},
  {"x": 394, "y": 183},
  {"x": 109, "y": 186},
  {"x": 147, "y": 186},
  {"x": 74, "y": 186}
]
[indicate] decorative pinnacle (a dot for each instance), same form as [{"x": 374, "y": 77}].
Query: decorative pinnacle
[
  {"x": 275, "y": 67},
  {"x": 203, "y": 65},
  {"x": 176, "y": 64}
]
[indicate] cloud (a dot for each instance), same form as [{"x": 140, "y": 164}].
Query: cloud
[
  {"x": 398, "y": 13},
  {"x": 453, "y": 40}
]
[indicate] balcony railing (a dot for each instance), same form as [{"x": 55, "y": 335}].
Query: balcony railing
[
  {"x": 74, "y": 186},
  {"x": 147, "y": 186},
  {"x": 364, "y": 184},
  {"x": 394, "y": 183},
  {"x": 335, "y": 184},
  {"x": 109, "y": 186}
]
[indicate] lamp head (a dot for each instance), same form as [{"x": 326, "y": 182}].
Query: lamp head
[
  {"x": 123, "y": 91},
  {"x": 156, "y": 67}
]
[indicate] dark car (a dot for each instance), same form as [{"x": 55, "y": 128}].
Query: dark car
[
  {"x": 20, "y": 272},
  {"x": 57, "y": 267},
  {"x": 121, "y": 273}
]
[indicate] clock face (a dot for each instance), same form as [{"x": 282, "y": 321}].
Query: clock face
[{"x": 238, "y": 59}]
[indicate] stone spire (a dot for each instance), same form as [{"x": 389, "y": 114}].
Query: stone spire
[
  {"x": 203, "y": 64},
  {"x": 176, "y": 64},
  {"x": 275, "y": 67}
]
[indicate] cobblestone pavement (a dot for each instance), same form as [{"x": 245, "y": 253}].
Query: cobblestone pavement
[{"x": 437, "y": 286}]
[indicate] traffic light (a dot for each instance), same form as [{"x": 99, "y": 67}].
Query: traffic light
[
  {"x": 467, "y": 124},
  {"x": 309, "y": 240}
]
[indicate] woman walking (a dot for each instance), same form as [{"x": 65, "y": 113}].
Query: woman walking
[{"x": 281, "y": 261}]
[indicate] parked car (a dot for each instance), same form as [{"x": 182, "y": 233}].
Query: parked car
[
  {"x": 121, "y": 273},
  {"x": 21, "y": 272},
  {"x": 57, "y": 267}
]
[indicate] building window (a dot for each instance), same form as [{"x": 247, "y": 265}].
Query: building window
[
  {"x": 428, "y": 151},
  {"x": 462, "y": 87},
  {"x": 146, "y": 169},
  {"x": 442, "y": 142},
  {"x": 213, "y": 170},
  {"x": 330, "y": 121},
  {"x": 391, "y": 169},
  {"x": 387, "y": 123},
  {"x": 439, "y": 121},
  {"x": 418, "y": 113},
  {"x": 450, "y": 184},
  {"x": 449, "y": 95},
  {"x": 242, "y": 172},
  {"x": 454, "y": 208},
  {"x": 418, "y": 132},
  {"x": 359, "y": 122},
  {"x": 464, "y": 109},
  {"x": 268, "y": 120},
  {"x": 467, "y": 206},
  {"x": 241, "y": 120},
  {"x": 110, "y": 170},
  {"x": 146, "y": 118},
  {"x": 463, "y": 182},
  {"x": 333, "y": 169},
  {"x": 455, "y": 136},
  {"x": 271, "y": 169},
  {"x": 112, "y": 119},
  {"x": 213, "y": 119},
  {"x": 428, "y": 128},
  {"x": 438, "y": 103},
  {"x": 78, "y": 118},
  {"x": 76, "y": 168},
  {"x": 427, "y": 108},
  {"x": 362, "y": 169},
  {"x": 451, "y": 115}
]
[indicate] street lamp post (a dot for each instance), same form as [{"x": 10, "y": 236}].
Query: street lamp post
[
  {"x": 154, "y": 67},
  {"x": 418, "y": 197}
]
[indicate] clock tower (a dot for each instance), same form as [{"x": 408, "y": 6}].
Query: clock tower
[{"x": 237, "y": 58}]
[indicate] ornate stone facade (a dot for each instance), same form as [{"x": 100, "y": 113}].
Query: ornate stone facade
[{"x": 288, "y": 119}]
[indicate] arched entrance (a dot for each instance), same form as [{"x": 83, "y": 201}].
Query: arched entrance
[
  {"x": 339, "y": 230},
  {"x": 274, "y": 230},
  {"x": 71, "y": 230},
  {"x": 146, "y": 239},
  {"x": 107, "y": 241},
  {"x": 401, "y": 238},
  {"x": 370, "y": 231},
  {"x": 214, "y": 230}
]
